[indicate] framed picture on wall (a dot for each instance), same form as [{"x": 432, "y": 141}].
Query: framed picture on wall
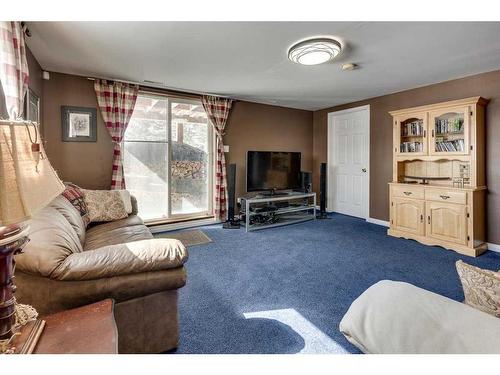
[{"x": 79, "y": 124}]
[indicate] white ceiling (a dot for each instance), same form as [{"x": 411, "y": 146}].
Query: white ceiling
[{"x": 248, "y": 60}]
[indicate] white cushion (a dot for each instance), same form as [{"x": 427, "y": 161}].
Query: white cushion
[{"x": 394, "y": 317}]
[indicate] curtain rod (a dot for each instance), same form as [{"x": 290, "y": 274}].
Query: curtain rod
[{"x": 150, "y": 84}]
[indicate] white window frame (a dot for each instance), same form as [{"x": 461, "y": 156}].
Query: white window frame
[
  {"x": 210, "y": 163},
  {"x": 210, "y": 148}
]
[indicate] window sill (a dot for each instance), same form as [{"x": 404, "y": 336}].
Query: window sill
[{"x": 159, "y": 226}]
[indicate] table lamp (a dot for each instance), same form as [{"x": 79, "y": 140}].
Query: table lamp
[{"x": 27, "y": 183}]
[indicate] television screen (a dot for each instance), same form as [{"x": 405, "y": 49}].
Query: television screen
[{"x": 268, "y": 170}]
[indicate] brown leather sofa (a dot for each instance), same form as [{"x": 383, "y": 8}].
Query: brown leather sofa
[{"x": 66, "y": 265}]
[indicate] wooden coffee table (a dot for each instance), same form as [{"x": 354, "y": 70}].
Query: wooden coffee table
[{"x": 89, "y": 329}]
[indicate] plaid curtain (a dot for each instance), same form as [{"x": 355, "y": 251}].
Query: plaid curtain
[
  {"x": 116, "y": 101},
  {"x": 14, "y": 74},
  {"x": 217, "y": 110}
]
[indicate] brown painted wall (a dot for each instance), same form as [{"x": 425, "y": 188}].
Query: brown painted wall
[
  {"x": 251, "y": 127},
  {"x": 486, "y": 85},
  {"x": 255, "y": 126},
  {"x": 260, "y": 127},
  {"x": 87, "y": 164}
]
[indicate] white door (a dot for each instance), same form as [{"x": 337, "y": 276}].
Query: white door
[{"x": 348, "y": 162}]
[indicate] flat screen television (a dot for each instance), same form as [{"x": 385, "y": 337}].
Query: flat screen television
[{"x": 269, "y": 170}]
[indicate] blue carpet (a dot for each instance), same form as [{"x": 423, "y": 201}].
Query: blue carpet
[{"x": 315, "y": 269}]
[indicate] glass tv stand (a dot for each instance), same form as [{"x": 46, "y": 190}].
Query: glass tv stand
[{"x": 269, "y": 211}]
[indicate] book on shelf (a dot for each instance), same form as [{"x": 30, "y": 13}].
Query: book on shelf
[
  {"x": 411, "y": 147},
  {"x": 450, "y": 146},
  {"x": 449, "y": 125},
  {"x": 414, "y": 128}
]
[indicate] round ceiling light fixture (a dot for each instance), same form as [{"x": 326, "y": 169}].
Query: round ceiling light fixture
[{"x": 314, "y": 51}]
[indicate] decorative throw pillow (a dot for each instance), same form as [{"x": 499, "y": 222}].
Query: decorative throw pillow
[
  {"x": 127, "y": 201},
  {"x": 74, "y": 194},
  {"x": 105, "y": 205},
  {"x": 481, "y": 288}
]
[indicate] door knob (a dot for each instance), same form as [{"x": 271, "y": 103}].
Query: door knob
[{"x": 363, "y": 170}]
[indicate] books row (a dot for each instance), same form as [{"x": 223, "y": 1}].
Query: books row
[
  {"x": 411, "y": 147},
  {"x": 447, "y": 146},
  {"x": 444, "y": 146},
  {"x": 449, "y": 125},
  {"x": 412, "y": 128}
]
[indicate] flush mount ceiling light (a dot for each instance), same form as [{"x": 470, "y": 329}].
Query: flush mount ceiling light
[{"x": 314, "y": 51}]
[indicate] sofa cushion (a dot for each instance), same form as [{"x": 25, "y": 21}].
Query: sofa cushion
[
  {"x": 75, "y": 196},
  {"x": 116, "y": 232},
  {"x": 129, "y": 221},
  {"x": 399, "y": 318},
  {"x": 71, "y": 214},
  {"x": 105, "y": 205},
  {"x": 52, "y": 239},
  {"x": 127, "y": 200},
  {"x": 123, "y": 259},
  {"x": 481, "y": 288}
]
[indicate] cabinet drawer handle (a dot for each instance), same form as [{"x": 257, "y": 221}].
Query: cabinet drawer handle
[
  {"x": 421, "y": 218},
  {"x": 407, "y": 192},
  {"x": 445, "y": 197},
  {"x": 428, "y": 219}
]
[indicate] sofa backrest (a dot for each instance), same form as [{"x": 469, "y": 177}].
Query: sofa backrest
[
  {"x": 66, "y": 208},
  {"x": 55, "y": 232}
]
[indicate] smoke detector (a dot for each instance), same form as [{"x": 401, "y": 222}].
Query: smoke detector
[{"x": 349, "y": 66}]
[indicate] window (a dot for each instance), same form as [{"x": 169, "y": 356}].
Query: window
[{"x": 168, "y": 149}]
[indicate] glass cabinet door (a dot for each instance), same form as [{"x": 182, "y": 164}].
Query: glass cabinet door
[
  {"x": 411, "y": 134},
  {"x": 450, "y": 131}
]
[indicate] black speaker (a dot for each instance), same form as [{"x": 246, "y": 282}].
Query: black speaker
[
  {"x": 322, "y": 192},
  {"x": 306, "y": 182},
  {"x": 231, "y": 223}
]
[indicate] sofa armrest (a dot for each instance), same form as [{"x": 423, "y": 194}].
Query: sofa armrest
[
  {"x": 393, "y": 317},
  {"x": 50, "y": 296},
  {"x": 135, "y": 207},
  {"x": 122, "y": 259}
]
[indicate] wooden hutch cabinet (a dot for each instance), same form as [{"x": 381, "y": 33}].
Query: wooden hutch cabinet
[{"x": 438, "y": 193}]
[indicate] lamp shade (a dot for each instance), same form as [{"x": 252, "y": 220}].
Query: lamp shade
[{"x": 27, "y": 180}]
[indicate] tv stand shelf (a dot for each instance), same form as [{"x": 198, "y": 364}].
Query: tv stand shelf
[{"x": 267, "y": 211}]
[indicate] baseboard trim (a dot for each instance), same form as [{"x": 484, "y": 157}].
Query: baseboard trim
[
  {"x": 491, "y": 246},
  {"x": 318, "y": 208},
  {"x": 378, "y": 222},
  {"x": 182, "y": 225},
  {"x": 494, "y": 247}
]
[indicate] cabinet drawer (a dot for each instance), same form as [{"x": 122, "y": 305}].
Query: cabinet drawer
[
  {"x": 408, "y": 191},
  {"x": 442, "y": 195}
]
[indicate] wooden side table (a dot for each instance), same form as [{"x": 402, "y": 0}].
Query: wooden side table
[{"x": 88, "y": 329}]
